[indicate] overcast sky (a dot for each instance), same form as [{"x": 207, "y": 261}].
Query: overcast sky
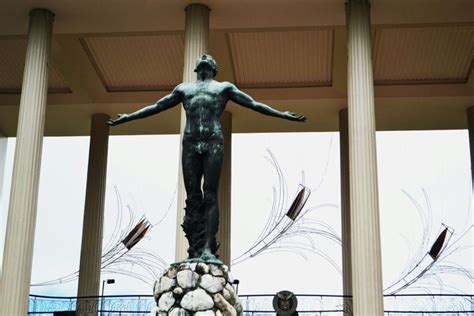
[{"x": 144, "y": 170}]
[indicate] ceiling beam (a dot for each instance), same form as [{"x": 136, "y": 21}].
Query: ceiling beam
[
  {"x": 77, "y": 69},
  {"x": 470, "y": 79},
  {"x": 339, "y": 61}
]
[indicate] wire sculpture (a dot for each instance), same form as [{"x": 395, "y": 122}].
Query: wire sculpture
[
  {"x": 430, "y": 262},
  {"x": 120, "y": 254},
  {"x": 288, "y": 229},
  {"x": 279, "y": 234},
  {"x": 282, "y": 229}
]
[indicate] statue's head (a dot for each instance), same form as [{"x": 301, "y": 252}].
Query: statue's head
[{"x": 206, "y": 61}]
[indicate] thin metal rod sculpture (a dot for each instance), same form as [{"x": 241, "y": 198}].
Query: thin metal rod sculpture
[
  {"x": 433, "y": 259},
  {"x": 121, "y": 255},
  {"x": 288, "y": 228}
]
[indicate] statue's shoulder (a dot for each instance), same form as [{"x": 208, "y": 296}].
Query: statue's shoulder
[
  {"x": 226, "y": 85},
  {"x": 183, "y": 87},
  {"x": 223, "y": 87}
]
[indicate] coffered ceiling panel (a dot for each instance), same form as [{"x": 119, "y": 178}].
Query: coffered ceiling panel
[
  {"x": 282, "y": 59},
  {"x": 423, "y": 54},
  {"x": 12, "y": 62},
  {"x": 137, "y": 63}
]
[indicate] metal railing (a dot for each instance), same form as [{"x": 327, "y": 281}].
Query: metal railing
[
  {"x": 257, "y": 304},
  {"x": 99, "y": 305}
]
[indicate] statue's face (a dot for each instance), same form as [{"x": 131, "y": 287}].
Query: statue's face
[{"x": 206, "y": 62}]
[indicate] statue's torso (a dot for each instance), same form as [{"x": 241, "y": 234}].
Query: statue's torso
[{"x": 204, "y": 102}]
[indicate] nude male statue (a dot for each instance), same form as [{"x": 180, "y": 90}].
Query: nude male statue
[{"x": 203, "y": 148}]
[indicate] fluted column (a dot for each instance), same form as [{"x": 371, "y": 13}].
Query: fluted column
[
  {"x": 470, "y": 124},
  {"x": 3, "y": 154},
  {"x": 364, "y": 208},
  {"x": 224, "y": 194},
  {"x": 196, "y": 43},
  {"x": 345, "y": 211},
  {"x": 91, "y": 248},
  {"x": 20, "y": 232}
]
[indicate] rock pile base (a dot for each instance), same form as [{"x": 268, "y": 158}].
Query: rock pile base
[{"x": 196, "y": 289}]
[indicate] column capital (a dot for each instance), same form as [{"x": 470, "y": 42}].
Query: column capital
[
  {"x": 343, "y": 111},
  {"x": 354, "y": 4},
  {"x": 99, "y": 115},
  {"x": 42, "y": 11},
  {"x": 197, "y": 5},
  {"x": 360, "y": 2}
]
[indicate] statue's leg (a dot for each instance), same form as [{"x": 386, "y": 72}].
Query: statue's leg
[
  {"x": 212, "y": 170},
  {"x": 193, "y": 225}
]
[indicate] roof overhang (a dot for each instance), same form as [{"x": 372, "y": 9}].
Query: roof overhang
[{"x": 116, "y": 56}]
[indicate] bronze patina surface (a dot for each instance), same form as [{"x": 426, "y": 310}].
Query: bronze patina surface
[{"x": 203, "y": 148}]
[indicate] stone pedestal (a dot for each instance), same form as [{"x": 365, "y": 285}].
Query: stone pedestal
[{"x": 196, "y": 289}]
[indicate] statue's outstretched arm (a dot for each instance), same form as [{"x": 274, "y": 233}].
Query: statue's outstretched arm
[
  {"x": 247, "y": 101},
  {"x": 161, "y": 105}
]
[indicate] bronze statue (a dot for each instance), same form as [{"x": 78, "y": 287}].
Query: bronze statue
[{"x": 203, "y": 148}]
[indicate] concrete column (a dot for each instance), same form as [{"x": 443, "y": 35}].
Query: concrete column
[
  {"x": 345, "y": 211},
  {"x": 364, "y": 208},
  {"x": 91, "y": 248},
  {"x": 3, "y": 155},
  {"x": 20, "y": 232},
  {"x": 196, "y": 43},
  {"x": 224, "y": 194},
  {"x": 470, "y": 124},
  {"x": 3, "y": 212}
]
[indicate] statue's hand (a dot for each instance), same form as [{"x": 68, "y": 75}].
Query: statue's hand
[
  {"x": 122, "y": 118},
  {"x": 294, "y": 117}
]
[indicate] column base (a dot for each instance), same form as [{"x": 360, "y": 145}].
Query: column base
[{"x": 196, "y": 289}]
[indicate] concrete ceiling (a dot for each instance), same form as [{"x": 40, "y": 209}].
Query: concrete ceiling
[
  {"x": 116, "y": 56},
  {"x": 115, "y": 16}
]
